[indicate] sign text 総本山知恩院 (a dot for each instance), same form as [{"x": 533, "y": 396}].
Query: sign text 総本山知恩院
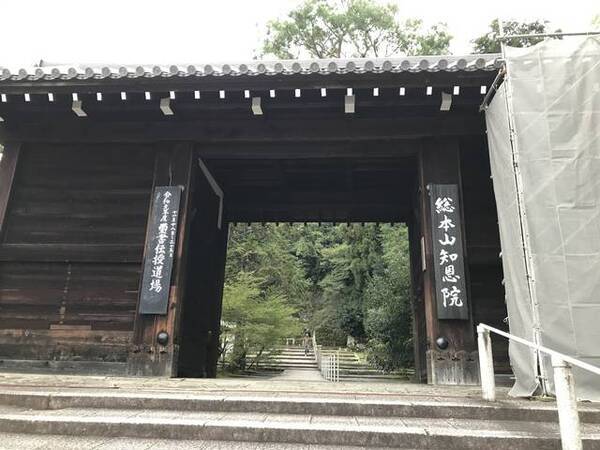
[
  {"x": 160, "y": 250},
  {"x": 448, "y": 255}
]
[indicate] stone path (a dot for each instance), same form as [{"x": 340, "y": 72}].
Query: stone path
[
  {"x": 243, "y": 386},
  {"x": 312, "y": 375}
]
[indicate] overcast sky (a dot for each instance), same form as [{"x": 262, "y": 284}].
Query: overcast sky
[{"x": 180, "y": 31}]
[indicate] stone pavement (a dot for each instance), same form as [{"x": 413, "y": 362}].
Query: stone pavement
[
  {"x": 300, "y": 375},
  {"x": 244, "y": 386}
]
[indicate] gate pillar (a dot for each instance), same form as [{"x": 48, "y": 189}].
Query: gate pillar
[
  {"x": 451, "y": 356},
  {"x": 155, "y": 347}
]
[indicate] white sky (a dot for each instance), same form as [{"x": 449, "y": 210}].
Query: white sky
[{"x": 197, "y": 31}]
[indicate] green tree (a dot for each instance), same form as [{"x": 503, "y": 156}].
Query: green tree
[
  {"x": 351, "y": 259},
  {"x": 253, "y": 320},
  {"x": 489, "y": 42},
  {"x": 351, "y": 28},
  {"x": 387, "y": 304},
  {"x": 268, "y": 252}
]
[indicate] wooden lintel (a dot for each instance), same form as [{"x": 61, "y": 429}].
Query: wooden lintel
[{"x": 246, "y": 131}]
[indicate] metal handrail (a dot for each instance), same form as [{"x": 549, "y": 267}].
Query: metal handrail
[
  {"x": 541, "y": 348},
  {"x": 564, "y": 383}
]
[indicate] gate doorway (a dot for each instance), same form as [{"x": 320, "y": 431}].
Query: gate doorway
[
  {"x": 295, "y": 291},
  {"x": 348, "y": 187}
]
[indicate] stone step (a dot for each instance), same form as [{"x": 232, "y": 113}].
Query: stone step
[
  {"x": 289, "y": 421},
  {"x": 309, "y": 404},
  {"x": 292, "y": 428},
  {"x": 289, "y": 361},
  {"x": 54, "y": 441},
  {"x": 300, "y": 360},
  {"x": 283, "y": 355},
  {"x": 288, "y": 366}
]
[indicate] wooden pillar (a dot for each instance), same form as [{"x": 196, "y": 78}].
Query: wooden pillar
[
  {"x": 201, "y": 324},
  {"x": 439, "y": 163},
  {"x": 418, "y": 307},
  {"x": 212, "y": 356},
  {"x": 8, "y": 169},
  {"x": 173, "y": 167}
]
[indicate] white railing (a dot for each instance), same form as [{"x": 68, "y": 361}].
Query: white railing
[
  {"x": 328, "y": 364},
  {"x": 330, "y": 367},
  {"x": 564, "y": 384}
]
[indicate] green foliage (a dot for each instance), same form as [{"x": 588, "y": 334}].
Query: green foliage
[
  {"x": 268, "y": 253},
  {"x": 254, "y": 319},
  {"x": 351, "y": 281},
  {"x": 387, "y": 305},
  {"x": 351, "y": 28},
  {"x": 489, "y": 43}
]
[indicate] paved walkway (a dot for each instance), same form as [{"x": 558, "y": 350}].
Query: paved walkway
[
  {"x": 284, "y": 385},
  {"x": 312, "y": 375}
]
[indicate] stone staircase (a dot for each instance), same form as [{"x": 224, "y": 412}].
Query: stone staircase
[
  {"x": 353, "y": 369},
  {"x": 193, "y": 419},
  {"x": 287, "y": 358}
]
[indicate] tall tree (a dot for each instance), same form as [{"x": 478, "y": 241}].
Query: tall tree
[
  {"x": 490, "y": 43},
  {"x": 351, "y": 28},
  {"x": 387, "y": 304}
]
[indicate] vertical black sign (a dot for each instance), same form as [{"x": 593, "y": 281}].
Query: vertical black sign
[
  {"x": 160, "y": 250},
  {"x": 448, "y": 257}
]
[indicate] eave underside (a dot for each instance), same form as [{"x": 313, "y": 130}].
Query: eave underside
[{"x": 305, "y": 159}]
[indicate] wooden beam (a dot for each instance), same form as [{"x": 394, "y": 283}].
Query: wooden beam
[
  {"x": 255, "y": 130},
  {"x": 294, "y": 150},
  {"x": 8, "y": 168}
]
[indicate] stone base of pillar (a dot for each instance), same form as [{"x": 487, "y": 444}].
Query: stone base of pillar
[
  {"x": 457, "y": 368},
  {"x": 153, "y": 361}
]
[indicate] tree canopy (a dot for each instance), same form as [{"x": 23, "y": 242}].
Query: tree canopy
[
  {"x": 489, "y": 42},
  {"x": 351, "y": 28}
]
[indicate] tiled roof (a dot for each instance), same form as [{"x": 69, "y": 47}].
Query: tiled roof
[{"x": 450, "y": 63}]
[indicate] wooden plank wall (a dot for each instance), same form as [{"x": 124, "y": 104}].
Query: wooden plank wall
[
  {"x": 483, "y": 244},
  {"x": 70, "y": 254}
]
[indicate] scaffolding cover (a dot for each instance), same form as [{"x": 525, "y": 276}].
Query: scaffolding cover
[{"x": 547, "y": 187}]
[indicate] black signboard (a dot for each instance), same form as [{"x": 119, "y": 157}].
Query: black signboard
[
  {"x": 160, "y": 250},
  {"x": 448, "y": 256}
]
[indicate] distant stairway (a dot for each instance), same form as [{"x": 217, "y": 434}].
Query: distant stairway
[
  {"x": 287, "y": 358},
  {"x": 353, "y": 369}
]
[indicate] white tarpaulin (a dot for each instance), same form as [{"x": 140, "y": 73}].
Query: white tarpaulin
[{"x": 547, "y": 187}]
